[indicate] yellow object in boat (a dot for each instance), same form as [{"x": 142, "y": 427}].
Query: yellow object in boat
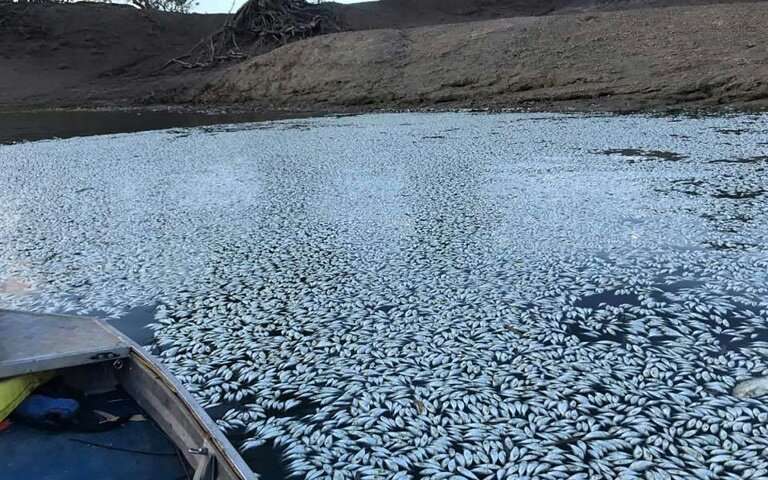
[{"x": 14, "y": 390}]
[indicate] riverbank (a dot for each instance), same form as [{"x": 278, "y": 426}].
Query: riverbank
[
  {"x": 711, "y": 57},
  {"x": 557, "y": 55}
]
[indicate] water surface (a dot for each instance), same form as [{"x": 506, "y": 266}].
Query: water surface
[
  {"x": 420, "y": 296},
  {"x": 38, "y": 125}
]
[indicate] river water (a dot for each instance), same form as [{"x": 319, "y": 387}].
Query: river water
[
  {"x": 426, "y": 295},
  {"x": 23, "y": 126}
]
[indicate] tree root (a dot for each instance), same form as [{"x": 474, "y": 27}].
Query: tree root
[{"x": 257, "y": 27}]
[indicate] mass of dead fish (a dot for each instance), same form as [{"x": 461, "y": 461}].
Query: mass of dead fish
[{"x": 443, "y": 296}]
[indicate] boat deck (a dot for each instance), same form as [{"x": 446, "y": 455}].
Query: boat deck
[{"x": 31, "y": 342}]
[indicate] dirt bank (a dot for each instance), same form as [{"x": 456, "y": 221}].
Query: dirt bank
[
  {"x": 666, "y": 57},
  {"x": 614, "y": 54},
  {"x": 418, "y": 13},
  {"x": 87, "y": 54}
]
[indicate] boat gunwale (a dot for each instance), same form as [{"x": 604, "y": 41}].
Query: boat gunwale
[
  {"x": 128, "y": 353},
  {"x": 208, "y": 429}
]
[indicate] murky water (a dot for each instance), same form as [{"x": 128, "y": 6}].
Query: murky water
[
  {"x": 420, "y": 296},
  {"x": 26, "y": 126}
]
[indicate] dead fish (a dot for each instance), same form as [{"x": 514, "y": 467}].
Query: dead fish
[{"x": 752, "y": 388}]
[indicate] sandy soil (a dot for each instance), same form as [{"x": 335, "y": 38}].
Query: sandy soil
[{"x": 551, "y": 54}]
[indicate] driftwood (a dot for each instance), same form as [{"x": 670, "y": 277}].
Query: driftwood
[{"x": 258, "y": 26}]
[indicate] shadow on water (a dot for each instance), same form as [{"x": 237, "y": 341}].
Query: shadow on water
[{"x": 39, "y": 125}]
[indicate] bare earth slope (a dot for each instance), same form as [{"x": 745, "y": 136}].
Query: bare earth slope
[
  {"x": 88, "y": 53},
  {"x": 419, "y": 13},
  {"x": 665, "y": 57},
  {"x": 611, "y": 54}
]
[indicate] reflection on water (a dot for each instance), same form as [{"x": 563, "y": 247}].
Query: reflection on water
[
  {"x": 351, "y": 298},
  {"x": 39, "y": 125}
]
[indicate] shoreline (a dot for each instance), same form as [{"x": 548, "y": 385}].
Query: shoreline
[{"x": 45, "y": 123}]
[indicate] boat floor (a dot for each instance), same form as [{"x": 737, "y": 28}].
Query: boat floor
[{"x": 31, "y": 453}]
